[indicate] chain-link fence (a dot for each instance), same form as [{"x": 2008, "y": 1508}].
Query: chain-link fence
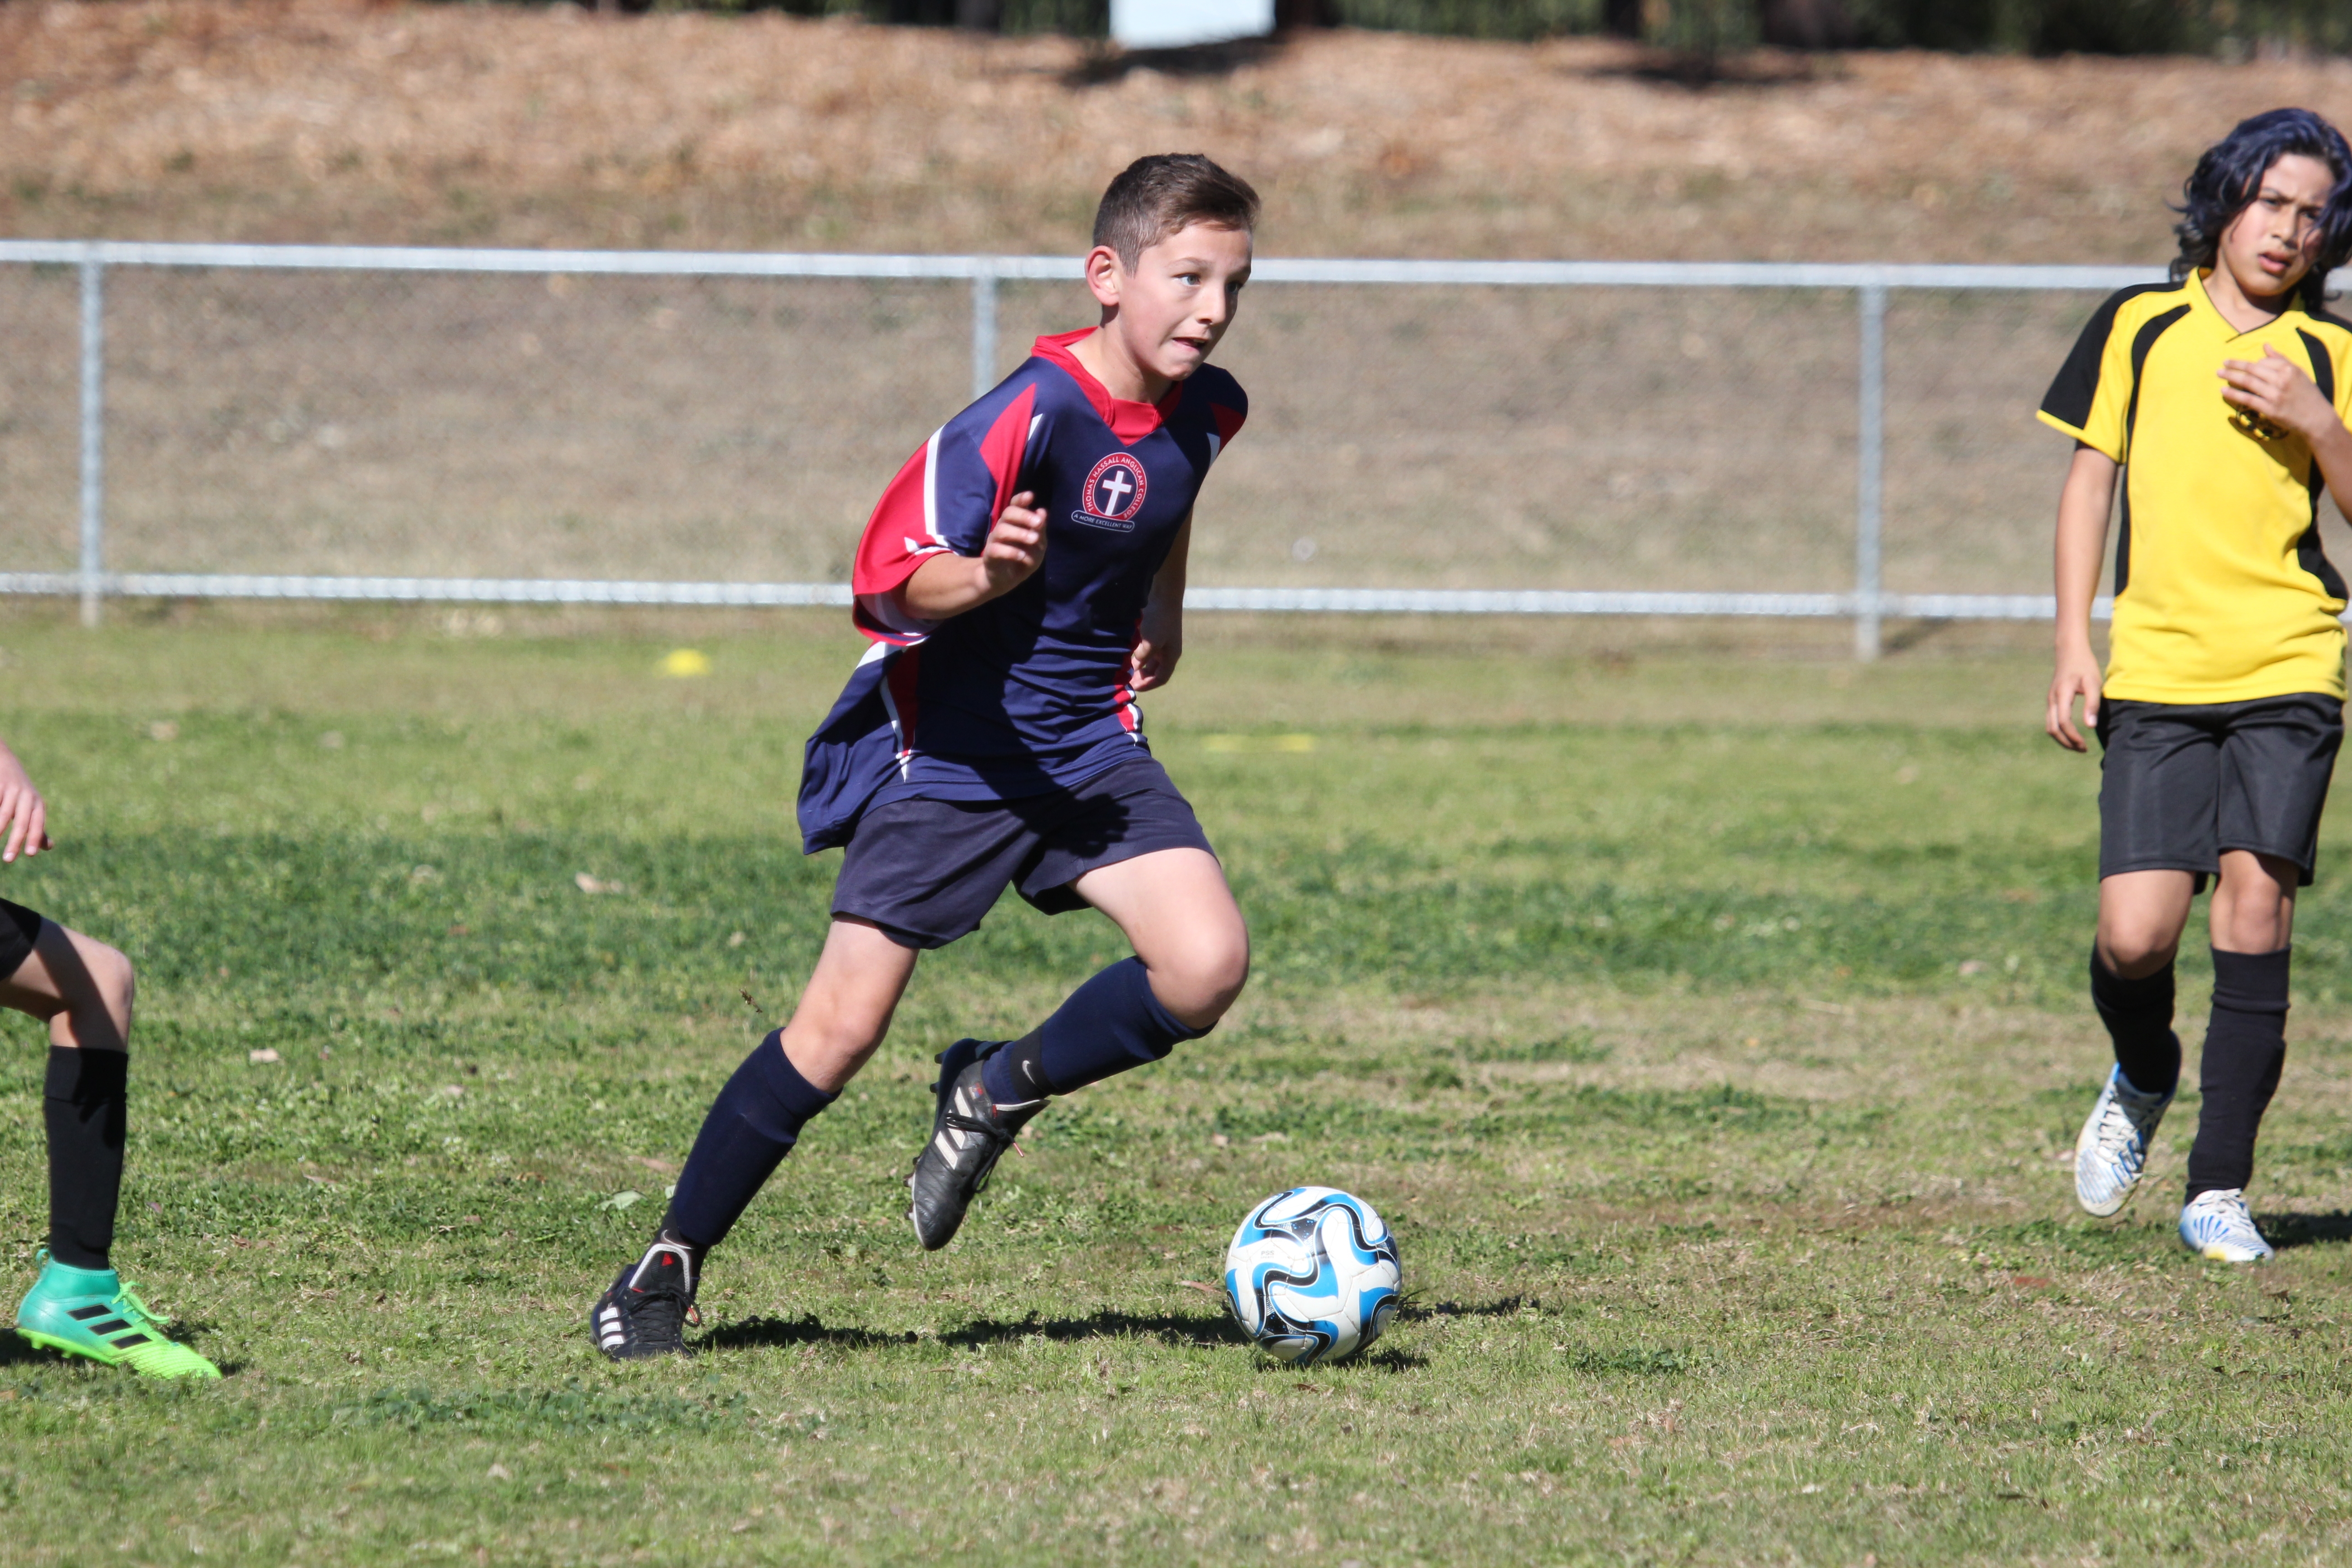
[{"x": 655, "y": 427}]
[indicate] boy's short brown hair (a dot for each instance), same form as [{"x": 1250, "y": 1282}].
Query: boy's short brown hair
[{"x": 1153, "y": 197}]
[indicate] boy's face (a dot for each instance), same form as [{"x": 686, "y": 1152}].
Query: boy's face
[
  {"x": 2271, "y": 245},
  {"x": 1178, "y": 301}
]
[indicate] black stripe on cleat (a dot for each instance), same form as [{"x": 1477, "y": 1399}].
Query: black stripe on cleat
[
  {"x": 84, "y": 1314},
  {"x": 126, "y": 1341},
  {"x": 112, "y": 1326}
]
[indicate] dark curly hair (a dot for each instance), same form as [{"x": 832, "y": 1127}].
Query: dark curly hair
[{"x": 2230, "y": 175}]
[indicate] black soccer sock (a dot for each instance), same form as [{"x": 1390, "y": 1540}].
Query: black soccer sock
[
  {"x": 752, "y": 1125},
  {"x": 1111, "y": 1024},
  {"x": 84, "y": 1107},
  {"x": 2138, "y": 1017},
  {"x": 2245, "y": 1047}
]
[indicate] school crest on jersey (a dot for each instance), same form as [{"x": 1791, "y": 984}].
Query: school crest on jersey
[{"x": 1114, "y": 493}]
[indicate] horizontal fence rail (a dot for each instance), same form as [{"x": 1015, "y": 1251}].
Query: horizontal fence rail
[
  {"x": 1286, "y": 601},
  {"x": 1867, "y": 604}
]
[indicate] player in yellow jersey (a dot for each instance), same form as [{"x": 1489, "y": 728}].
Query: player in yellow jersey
[{"x": 2218, "y": 399}]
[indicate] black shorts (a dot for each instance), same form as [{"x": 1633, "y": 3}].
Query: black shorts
[
  {"x": 926, "y": 871},
  {"x": 2183, "y": 782},
  {"x": 19, "y": 929}
]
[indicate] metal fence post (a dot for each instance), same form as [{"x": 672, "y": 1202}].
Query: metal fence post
[
  {"x": 1870, "y": 462},
  {"x": 93, "y": 439},
  {"x": 984, "y": 328}
]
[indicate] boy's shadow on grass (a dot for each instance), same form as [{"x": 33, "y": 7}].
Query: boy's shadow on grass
[
  {"x": 1195, "y": 1332},
  {"x": 2292, "y": 1230}
]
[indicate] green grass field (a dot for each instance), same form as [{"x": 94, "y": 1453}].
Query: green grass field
[{"x": 1706, "y": 1024}]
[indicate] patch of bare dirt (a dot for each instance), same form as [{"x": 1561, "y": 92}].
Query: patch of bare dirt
[{"x": 326, "y": 119}]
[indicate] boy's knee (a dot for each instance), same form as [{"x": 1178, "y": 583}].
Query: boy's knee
[
  {"x": 2135, "y": 950},
  {"x": 110, "y": 975},
  {"x": 1200, "y": 984}
]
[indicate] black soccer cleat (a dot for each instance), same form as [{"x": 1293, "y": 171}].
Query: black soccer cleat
[
  {"x": 646, "y": 1311},
  {"x": 968, "y": 1132}
]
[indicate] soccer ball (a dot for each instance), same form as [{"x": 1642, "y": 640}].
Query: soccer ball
[{"x": 1313, "y": 1274}]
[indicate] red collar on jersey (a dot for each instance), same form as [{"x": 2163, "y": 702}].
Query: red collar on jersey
[{"x": 1129, "y": 421}]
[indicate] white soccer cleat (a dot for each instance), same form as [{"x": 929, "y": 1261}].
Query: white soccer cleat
[
  {"x": 2112, "y": 1152},
  {"x": 2216, "y": 1224}
]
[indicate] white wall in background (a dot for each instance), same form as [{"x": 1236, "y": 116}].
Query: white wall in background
[{"x": 1174, "y": 24}]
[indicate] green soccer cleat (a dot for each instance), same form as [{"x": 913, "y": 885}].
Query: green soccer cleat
[{"x": 91, "y": 1312}]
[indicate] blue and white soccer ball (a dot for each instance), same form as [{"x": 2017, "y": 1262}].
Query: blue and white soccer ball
[{"x": 1313, "y": 1274}]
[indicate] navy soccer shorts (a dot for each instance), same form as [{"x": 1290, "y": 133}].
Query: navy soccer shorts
[
  {"x": 2183, "y": 782},
  {"x": 926, "y": 871},
  {"x": 19, "y": 929}
]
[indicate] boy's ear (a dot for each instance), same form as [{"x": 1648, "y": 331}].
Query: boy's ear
[{"x": 1106, "y": 276}]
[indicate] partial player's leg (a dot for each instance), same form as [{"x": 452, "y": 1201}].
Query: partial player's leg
[
  {"x": 1191, "y": 960},
  {"x": 2141, "y": 917},
  {"x": 790, "y": 1077},
  {"x": 2276, "y": 764},
  {"x": 2160, "y": 779},
  {"x": 83, "y": 990},
  {"x": 2245, "y": 1049}
]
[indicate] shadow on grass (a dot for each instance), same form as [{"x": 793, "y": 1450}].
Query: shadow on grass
[
  {"x": 1387, "y": 1359},
  {"x": 15, "y": 1351},
  {"x": 1706, "y": 67},
  {"x": 1169, "y": 1328},
  {"x": 778, "y": 1334},
  {"x": 2289, "y": 1230},
  {"x": 1104, "y": 65},
  {"x": 1184, "y": 1330}
]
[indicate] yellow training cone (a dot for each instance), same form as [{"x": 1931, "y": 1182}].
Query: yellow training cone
[{"x": 685, "y": 663}]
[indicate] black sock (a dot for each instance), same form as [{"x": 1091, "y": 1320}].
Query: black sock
[
  {"x": 2245, "y": 1047},
  {"x": 1111, "y": 1024},
  {"x": 84, "y": 1107},
  {"x": 2138, "y": 1017},
  {"x": 752, "y": 1125}
]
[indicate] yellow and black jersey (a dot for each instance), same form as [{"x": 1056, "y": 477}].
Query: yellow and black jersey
[{"x": 2222, "y": 591}]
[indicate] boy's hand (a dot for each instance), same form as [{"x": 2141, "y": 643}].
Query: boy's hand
[
  {"x": 1153, "y": 662},
  {"x": 2274, "y": 388},
  {"x": 2077, "y": 675},
  {"x": 1016, "y": 545},
  {"x": 948, "y": 585},
  {"x": 22, "y": 813}
]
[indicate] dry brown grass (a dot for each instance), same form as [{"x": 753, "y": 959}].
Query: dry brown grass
[{"x": 325, "y": 120}]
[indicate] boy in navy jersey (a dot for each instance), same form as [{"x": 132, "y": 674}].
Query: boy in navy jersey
[{"x": 1023, "y": 581}]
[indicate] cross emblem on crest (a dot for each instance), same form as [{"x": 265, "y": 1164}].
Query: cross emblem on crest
[{"x": 1118, "y": 487}]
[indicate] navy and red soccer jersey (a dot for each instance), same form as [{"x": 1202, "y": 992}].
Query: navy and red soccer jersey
[{"x": 1027, "y": 692}]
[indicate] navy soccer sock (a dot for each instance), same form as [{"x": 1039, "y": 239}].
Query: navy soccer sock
[
  {"x": 1111, "y": 1024},
  {"x": 2245, "y": 1047},
  {"x": 2138, "y": 1017},
  {"x": 752, "y": 1125}
]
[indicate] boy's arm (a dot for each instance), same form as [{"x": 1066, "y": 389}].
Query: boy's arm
[
  {"x": 2275, "y": 387},
  {"x": 22, "y": 813},
  {"x": 2082, "y": 509},
  {"x": 948, "y": 585},
  {"x": 1153, "y": 662}
]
